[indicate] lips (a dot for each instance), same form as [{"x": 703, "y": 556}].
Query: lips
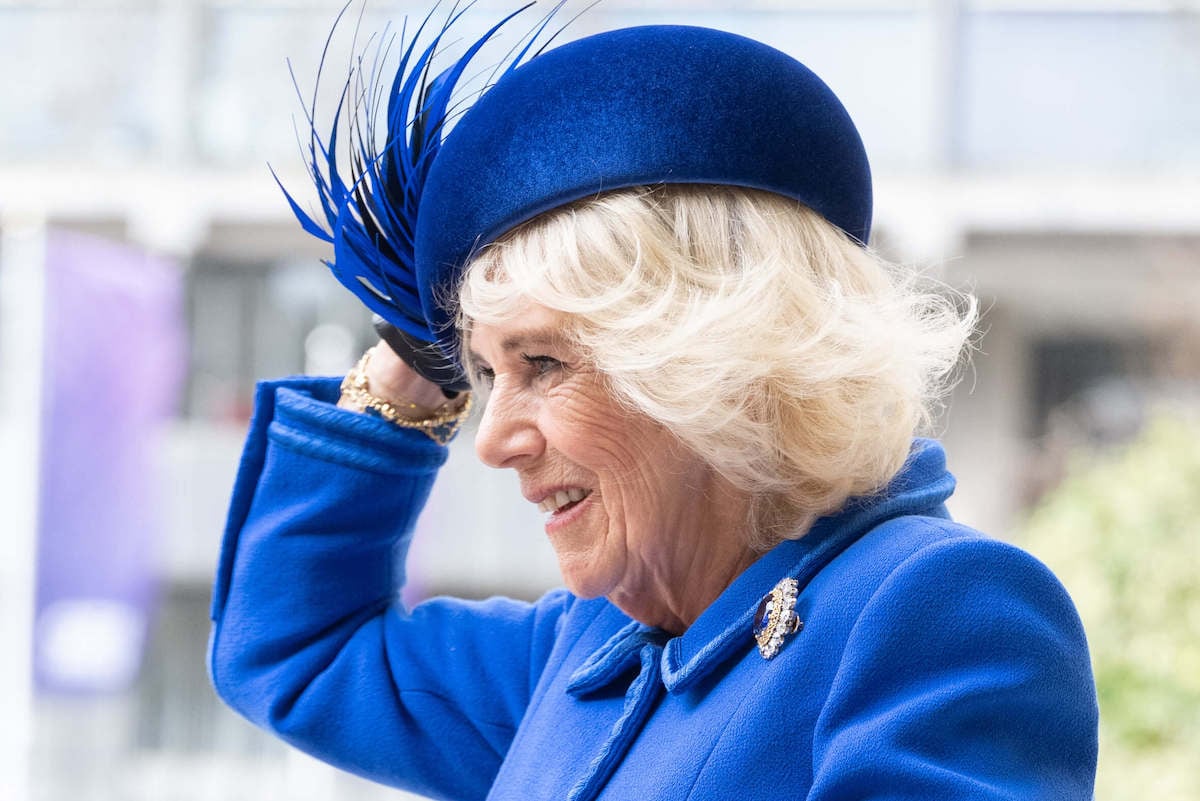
[{"x": 562, "y": 499}]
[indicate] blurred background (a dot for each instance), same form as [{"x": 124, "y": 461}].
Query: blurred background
[{"x": 1044, "y": 155}]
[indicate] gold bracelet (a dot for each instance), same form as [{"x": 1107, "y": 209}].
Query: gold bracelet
[{"x": 440, "y": 426}]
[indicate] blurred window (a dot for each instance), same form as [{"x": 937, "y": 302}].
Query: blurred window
[
  {"x": 1063, "y": 90},
  {"x": 251, "y": 320},
  {"x": 1094, "y": 382}
]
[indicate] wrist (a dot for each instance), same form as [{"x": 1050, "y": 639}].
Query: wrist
[
  {"x": 394, "y": 380},
  {"x": 430, "y": 412}
]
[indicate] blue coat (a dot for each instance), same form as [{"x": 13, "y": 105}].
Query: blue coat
[{"x": 932, "y": 663}]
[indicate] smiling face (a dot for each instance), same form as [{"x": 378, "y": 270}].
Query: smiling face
[{"x": 631, "y": 513}]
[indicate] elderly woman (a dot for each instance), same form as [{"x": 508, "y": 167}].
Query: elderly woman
[{"x": 647, "y": 249}]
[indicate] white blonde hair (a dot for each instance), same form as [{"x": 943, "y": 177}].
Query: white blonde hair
[{"x": 795, "y": 362}]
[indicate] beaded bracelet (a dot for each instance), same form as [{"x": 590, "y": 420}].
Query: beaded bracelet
[{"x": 440, "y": 427}]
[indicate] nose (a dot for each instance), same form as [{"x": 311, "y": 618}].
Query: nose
[{"x": 508, "y": 434}]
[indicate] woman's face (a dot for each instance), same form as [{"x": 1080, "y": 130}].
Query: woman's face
[{"x": 631, "y": 513}]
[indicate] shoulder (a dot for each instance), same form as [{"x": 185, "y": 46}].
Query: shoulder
[
  {"x": 922, "y": 557},
  {"x": 917, "y": 589},
  {"x": 930, "y": 604},
  {"x": 949, "y": 648}
]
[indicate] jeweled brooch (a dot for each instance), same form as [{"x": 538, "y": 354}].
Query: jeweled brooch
[{"x": 776, "y": 618}]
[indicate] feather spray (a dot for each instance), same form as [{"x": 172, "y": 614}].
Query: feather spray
[{"x": 370, "y": 212}]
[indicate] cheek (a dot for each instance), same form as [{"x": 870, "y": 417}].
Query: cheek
[{"x": 597, "y": 433}]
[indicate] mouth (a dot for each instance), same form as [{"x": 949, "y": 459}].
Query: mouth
[{"x": 562, "y": 501}]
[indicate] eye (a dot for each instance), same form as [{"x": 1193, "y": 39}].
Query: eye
[
  {"x": 485, "y": 375},
  {"x": 541, "y": 364}
]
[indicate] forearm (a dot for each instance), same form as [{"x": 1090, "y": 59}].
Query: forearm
[{"x": 324, "y": 498}]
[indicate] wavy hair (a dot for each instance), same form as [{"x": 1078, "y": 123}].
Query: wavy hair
[{"x": 795, "y": 362}]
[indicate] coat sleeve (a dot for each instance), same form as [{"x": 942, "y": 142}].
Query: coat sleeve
[
  {"x": 966, "y": 676},
  {"x": 309, "y": 638}
]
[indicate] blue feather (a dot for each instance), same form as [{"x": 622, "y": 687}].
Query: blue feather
[{"x": 370, "y": 212}]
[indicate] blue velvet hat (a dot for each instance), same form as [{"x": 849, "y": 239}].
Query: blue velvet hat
[{"x": 631, "y": 107}]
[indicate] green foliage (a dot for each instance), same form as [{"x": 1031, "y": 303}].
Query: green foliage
[{"x": 1123, "y": 534}]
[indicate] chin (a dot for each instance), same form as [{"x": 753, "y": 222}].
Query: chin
[{"x": 582, "y": 582}]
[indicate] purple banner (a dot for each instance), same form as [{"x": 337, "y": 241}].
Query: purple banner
[{"x": 114, "y": 364}]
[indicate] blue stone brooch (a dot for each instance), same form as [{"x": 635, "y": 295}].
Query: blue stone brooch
[{"x": 776, "y": 618}]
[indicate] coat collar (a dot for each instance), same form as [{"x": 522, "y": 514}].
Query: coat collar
[{"x": 724, "y": 629}]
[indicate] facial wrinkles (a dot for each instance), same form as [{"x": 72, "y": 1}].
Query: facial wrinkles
[
  {"x": 595, "y": 432},
  {"x": 606, "y": 434},
  {"x": 654, "y": 537},
  {"x": 652, "y": 494}
]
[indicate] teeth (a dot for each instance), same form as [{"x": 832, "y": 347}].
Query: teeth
[{"x": 558, "y": 500}]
